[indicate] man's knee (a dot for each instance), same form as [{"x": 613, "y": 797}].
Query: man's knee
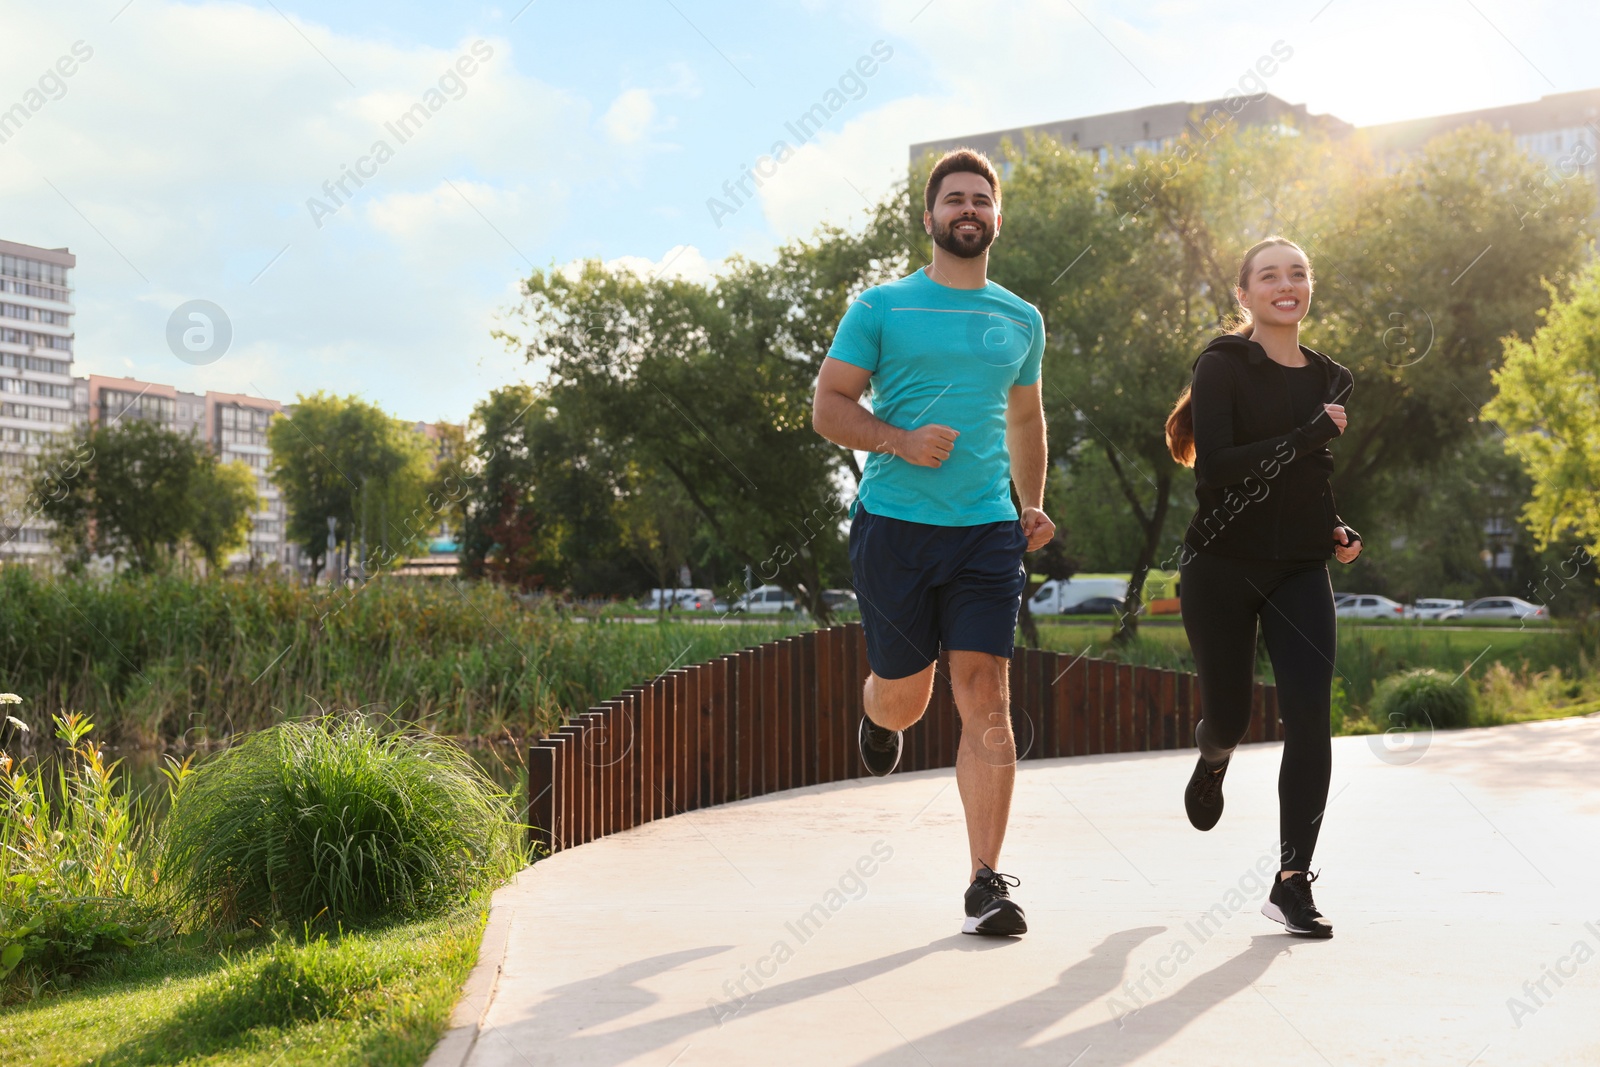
[
  {"x": 979, "y": 680},
  {"x": 980, "y": 683},
  {"x": 897, "y": 703}
]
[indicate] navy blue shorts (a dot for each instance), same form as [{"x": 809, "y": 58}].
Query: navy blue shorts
[{"x": 924, "y": 587}]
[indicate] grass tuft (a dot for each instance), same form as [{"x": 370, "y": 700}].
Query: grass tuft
[{"x": 331, "y": 821}]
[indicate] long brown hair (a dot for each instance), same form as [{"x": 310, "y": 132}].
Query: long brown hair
[{"x": 1180, "y": 424}]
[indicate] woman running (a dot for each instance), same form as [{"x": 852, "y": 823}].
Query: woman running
[{"x": 1253, "y": 424}]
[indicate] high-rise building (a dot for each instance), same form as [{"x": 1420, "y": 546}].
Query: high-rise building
[{"x": 36, "y": 385}]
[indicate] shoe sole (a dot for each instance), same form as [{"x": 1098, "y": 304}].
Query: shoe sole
[
  {"x": 1275, "y": 913},
  {"x": 1008, "y": 926}
]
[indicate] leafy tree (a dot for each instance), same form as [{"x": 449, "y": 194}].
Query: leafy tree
[
  {"x": 1548, "y": 403},
  {"x": 1420, "y": 270},
  {"x": 131, "y": 500},
  {"x": 452, "y": 475},
  {"x": 343, "y": 458},
  {"x": 503, "y": 534},
  {"x": 659, "y": 527},
  {"x": 138, "y": 493},
  {"x": 711, "y": 385},
  {"x": 222, "y": 501}
]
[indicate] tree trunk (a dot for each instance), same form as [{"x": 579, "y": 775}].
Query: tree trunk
[
  {"x": 1151, "y": 526},
  {"x": 1025, "y": 620}
]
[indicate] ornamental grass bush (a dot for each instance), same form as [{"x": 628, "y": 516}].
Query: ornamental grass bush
[
  {"x": 332, "y": 821},
  {"x": 1424, "y": 698}
]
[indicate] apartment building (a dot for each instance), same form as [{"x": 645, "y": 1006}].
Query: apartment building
[
  {"x": 37, "y": 390},
  {"x": 1562, "y": 129},
  {"x": 233, "y": 425},
  {"x": 1149, "y": 128}
]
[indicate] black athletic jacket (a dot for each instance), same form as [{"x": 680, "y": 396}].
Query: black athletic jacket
[{"x": 1261, "y": 481}]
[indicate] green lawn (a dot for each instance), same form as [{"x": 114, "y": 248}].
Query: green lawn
[{"x": 373, "y": 997}]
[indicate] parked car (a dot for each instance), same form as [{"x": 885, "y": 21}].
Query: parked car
[
  {"x": 1062, "y": 596},
  {"x": 1368, "y": 606},
  {"x": 1432, "y": 608},
  {"x": 1340, "y": 598},
  {"x": 767, "y": 600},
  {"x": 841, "y": 600},
  {"x": 1503, "y": 607},
  {"x": 688, "y": 599},
  {"x": 1096, "y": 605}
]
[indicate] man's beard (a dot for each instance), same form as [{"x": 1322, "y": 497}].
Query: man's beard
[{"x": 967, "y": 247}]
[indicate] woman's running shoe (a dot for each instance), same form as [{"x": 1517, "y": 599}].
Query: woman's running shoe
[
  {"x": 1202, "y": 798},
  {"x": 1290, "y": 903}
]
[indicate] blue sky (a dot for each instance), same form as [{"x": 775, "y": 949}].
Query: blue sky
[{"x": 178, "y": 160}]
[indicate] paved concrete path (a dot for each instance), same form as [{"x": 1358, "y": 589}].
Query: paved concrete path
[{"x": 821, "y": 926}]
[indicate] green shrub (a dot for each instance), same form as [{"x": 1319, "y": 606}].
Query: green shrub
[
  {"x": 1521, "y": 696},
  {"x": 1338, "y": 707},
  {"x": 73, "y": 882},
  {"x": 332, "y": 821},
  {"x": 1424, "y": 698}
]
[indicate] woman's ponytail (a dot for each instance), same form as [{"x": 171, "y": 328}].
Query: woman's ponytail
[{"x": 1180, "y": 430}]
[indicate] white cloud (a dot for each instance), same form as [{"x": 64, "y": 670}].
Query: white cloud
[
  {"x": 629, "y": 116},
  {"x": 190, "y": 143},
  {"x": 680, "y": 261},
  {"x": 827, "y": 178}
]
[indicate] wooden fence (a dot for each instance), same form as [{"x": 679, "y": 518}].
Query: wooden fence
[{"x": 785, "y": 714}]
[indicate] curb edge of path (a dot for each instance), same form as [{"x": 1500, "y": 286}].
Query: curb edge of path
[{"x": 477, "y": 992}]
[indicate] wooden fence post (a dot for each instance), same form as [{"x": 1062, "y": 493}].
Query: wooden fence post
[{"x": 540, "y": 813}]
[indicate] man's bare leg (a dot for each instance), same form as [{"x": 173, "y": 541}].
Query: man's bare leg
[{"x": 986, "y": 762}]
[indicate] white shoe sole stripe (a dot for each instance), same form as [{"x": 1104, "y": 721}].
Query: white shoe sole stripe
[{"x": 1275, "y": 913}]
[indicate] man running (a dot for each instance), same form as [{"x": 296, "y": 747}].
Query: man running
[{"x": 936, "y": 544}]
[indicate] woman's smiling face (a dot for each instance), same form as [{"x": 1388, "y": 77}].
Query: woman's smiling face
[{"x": 1278, "y": 291}]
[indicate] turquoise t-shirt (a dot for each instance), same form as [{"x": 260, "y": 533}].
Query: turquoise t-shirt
[{"x": 947, "y": 356}]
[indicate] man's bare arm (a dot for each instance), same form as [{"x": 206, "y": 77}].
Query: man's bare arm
[
  {"x": 1025, "y": 440},
  {"x": 837, "y": 414}
]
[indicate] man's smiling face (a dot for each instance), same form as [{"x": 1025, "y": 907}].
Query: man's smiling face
[{"x": 964, "y": 219}]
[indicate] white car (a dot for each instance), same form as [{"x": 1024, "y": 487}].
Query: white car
[
  {"x": 1432, "y": 608},
  {"x": 841, "y": 600},
  {"x": 768, "y": 600},
  {"x": 1504, "y": 607},
  {"x": 1060, "y": 596},
  {"x": 1369, "y": 606},
  {"x": 687, "y": 599}
]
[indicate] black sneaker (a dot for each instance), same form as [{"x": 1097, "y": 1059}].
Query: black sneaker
[
  {"x": 880, "y": 747},
  {"x": 990, "y": 909},
  {"x": 1202, "y": 798},
  {"x": 1290, "y": 903}
]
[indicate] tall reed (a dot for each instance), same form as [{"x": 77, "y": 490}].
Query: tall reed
[{"x": 162, "y": 660}]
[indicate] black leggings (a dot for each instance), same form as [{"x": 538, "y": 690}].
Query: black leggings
[{"x": 1222, "y": 599}]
